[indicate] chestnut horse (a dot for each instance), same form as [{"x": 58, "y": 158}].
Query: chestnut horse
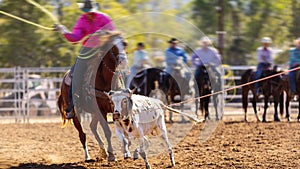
[
  {"x": 275, "y": 86},
  {"x": 96, "y": 80}
]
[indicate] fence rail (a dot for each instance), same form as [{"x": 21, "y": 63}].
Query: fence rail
[{"x": 31, "y": 91}]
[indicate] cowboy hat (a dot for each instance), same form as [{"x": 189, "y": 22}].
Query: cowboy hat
[
  {"x": 88, "y": 6},
  {"x": 173, "y": 40},
  {"x": 297, "y": 41},
  {"x": 141, "y": 44},
  {"x": 266, "y": 40},
  {"x": 205, "y": 39}
]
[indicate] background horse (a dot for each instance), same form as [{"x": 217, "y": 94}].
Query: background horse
[
  {"x": 144, "y": 82},
  {"x": 113, "y": 44},
  {"x": 275, "y": 86},
  {"x": 205, "y": 88}
]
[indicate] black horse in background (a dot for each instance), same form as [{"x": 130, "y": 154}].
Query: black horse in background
[
  {"x": 206, "y": 83},
  {"x": 275, "y": 86},
  {"x": 173, "y": 86}
]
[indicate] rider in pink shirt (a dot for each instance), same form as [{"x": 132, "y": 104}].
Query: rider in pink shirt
[{"x": 87, "y": 24}]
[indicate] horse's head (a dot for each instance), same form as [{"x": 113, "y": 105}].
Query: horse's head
[
  {"x": 109, "y": 49},
  {"x": 114, "y": 51}
]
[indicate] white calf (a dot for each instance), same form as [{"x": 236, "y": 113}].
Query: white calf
[{"x": 137, "y": 116}]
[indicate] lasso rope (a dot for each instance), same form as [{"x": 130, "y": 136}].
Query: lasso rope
[
  {"x": 44, "y": 10},
  {"x": 26, "y": 21},
  {"x": 30, "y": 22},
  {"x": 235, "y": 87}
]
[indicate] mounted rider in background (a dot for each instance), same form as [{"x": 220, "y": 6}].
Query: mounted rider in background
[
  {"x": 174, "y": 55},
  {"x": 207, "y": 56},
  {"x": 140, "y": 62},
  {"x": 264, "y": 59},
  {"x": 294, "y": 61}
]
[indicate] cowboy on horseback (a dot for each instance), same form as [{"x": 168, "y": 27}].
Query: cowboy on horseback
[
  {"x": 208, "y": 74},
  {"x": 206, "y": 56},
  {"x": 294, "y": 61},
  {"x": 173, "y": 55},
  {"x": 264, "y": 59},
  {"x": 88, "y": 23},
  {"x": 140, "y": 62}
]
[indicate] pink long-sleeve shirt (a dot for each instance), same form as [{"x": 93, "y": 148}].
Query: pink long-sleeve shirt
[{"x": 84, "y": 26}]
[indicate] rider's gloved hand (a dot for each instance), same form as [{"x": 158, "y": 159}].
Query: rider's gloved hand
[{"x": 60, "y": 28}]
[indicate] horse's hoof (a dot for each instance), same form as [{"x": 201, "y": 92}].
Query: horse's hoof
[
  {"x": 148, "y": 166},
  {"x": 276, "y": 119},
  {"x": 127, "y": 156},
  {"x": 111, "y": 158},
  {"x": 90, "y": 161},
  {"x": 135, "y": 155},
  {"x": 264, "y": 120},
  {"x": 103, "y": 153}
]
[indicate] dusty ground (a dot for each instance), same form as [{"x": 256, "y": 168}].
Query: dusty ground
[{"x": 234, "y": 144}]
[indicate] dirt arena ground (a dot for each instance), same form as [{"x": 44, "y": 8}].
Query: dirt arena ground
[{"x": 234, "y": 144}]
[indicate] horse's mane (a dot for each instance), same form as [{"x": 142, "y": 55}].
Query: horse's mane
[{"x": 107, "y": 36}]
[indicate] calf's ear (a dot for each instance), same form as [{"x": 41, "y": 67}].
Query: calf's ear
[{"x": 111, "y": 93}]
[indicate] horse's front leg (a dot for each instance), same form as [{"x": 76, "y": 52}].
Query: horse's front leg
[
  {"x": 82, "y": 137},
  {"x": 93, "y": 127},
  {"x": 245, "y": 92},
  {"x": 266, "y": 100},
  {"x": 196, "y": 107},
  {"x": 107, "y": 133},
  {"x": 216, "y": 105},
  {"x": 206, "y": 108},
  {"x": 287, "y": 106},
  {"x": 254, "y": 101},
  {"x": 276, "y": 101},
  {"x": 298, "y": 118}
]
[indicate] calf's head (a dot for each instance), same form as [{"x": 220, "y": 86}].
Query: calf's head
[{"x": 122, "y": 104}]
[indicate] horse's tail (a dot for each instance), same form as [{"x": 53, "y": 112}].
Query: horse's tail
[
  {"x": 245, "y": 76},
  {"x": 62, "y": 111}
]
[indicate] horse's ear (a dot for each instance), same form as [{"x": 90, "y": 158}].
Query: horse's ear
[{"x": 125, "y": 43}]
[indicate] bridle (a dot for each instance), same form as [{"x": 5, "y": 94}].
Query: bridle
[{"x": 117, "y": 61}]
